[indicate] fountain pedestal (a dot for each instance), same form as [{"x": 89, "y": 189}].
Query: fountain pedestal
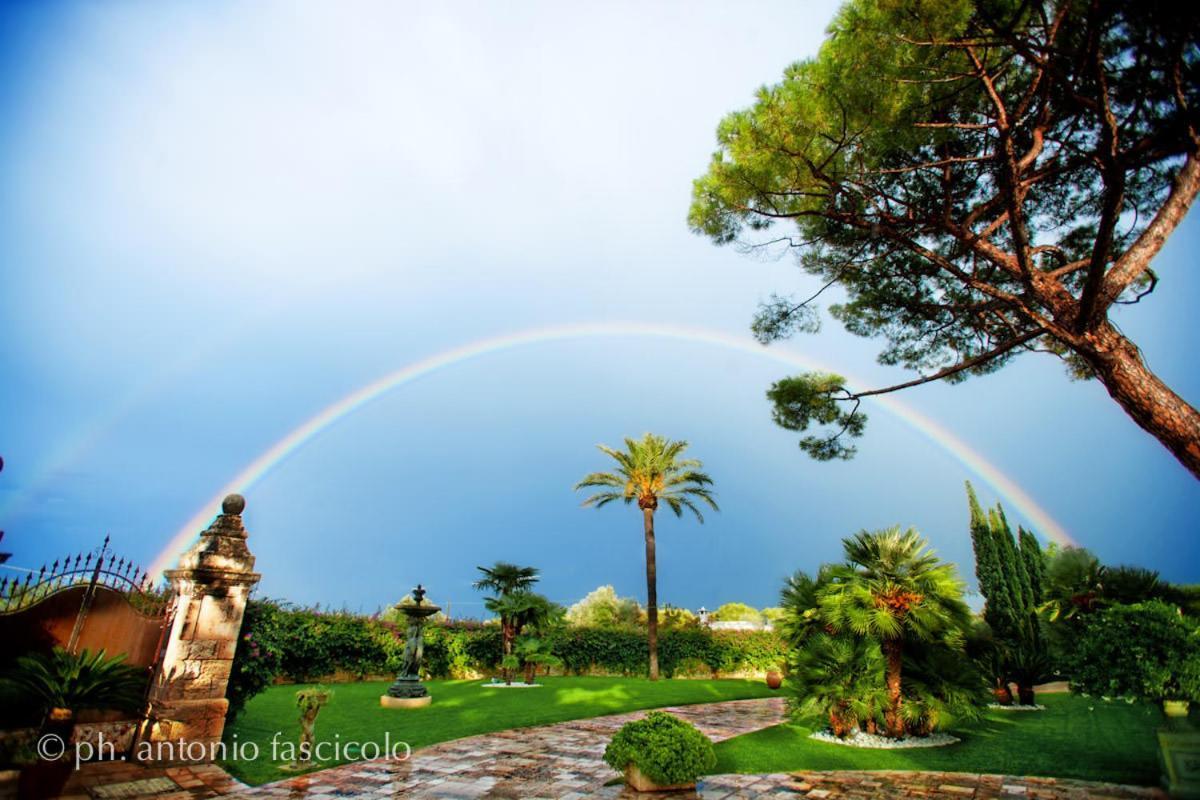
[{"x": 407, "y": 691}]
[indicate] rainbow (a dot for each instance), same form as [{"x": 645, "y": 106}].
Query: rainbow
[{"x": 253, "y": 472}]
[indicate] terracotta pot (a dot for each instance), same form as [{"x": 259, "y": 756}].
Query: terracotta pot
[
  {"x": 637, "y": 779},
  {"x": 1003, "y": 695},
  {"x": 774, "y": 679}
]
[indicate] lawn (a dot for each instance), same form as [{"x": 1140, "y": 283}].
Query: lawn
[
  {"x": 460, "y": 708},
  {"x": 1075, "y": 737}
]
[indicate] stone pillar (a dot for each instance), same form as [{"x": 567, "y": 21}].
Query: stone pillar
[{"x": 187, "y": 696}]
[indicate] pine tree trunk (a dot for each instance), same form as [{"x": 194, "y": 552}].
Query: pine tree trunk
[
  {"x": 1150, "y": 402},
  {"x": 894, "y": 652},
  {"x": 651, "y": 589}
]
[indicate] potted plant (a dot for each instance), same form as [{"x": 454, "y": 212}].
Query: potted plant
[
  {"x": 660, "y": 753},
  {"x": 63, "y": 684},
  {"x": 310, "y": 702}
]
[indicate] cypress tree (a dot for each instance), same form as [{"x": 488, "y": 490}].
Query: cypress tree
[
  {"x": 1008, "y": 598},
  {"x": 1009, "y": 569},
  {"x": 1016, "y": 575},
  {"x": 987, "y": 565},
  {"x": 1035, "y": 564}
]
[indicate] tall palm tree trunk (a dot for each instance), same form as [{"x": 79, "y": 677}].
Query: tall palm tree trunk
[
  {"x": 893, "y": 650},
  {"x": 651, "y": 586}
]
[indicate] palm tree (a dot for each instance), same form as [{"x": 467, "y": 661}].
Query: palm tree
[
  {"x": 505, "y": 580},
  {"x": 650, "y": 470},
  {"x": 517, "y": 610},
  {"x": 838, "y": 677},
  {"x": 894, "y": 589}
]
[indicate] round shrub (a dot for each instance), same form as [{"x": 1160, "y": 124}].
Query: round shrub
[
  {"x": 1145, "y": 650},
  {"x": 665, "y": 748}
]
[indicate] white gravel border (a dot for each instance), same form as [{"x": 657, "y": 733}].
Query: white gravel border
[
  {"x": 872, "y": 742},
  {"x": 1016, "y": 707},
  {"x": 513, "y": 685}
]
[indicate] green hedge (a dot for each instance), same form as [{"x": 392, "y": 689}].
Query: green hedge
[{"x": 282, "y": 641}]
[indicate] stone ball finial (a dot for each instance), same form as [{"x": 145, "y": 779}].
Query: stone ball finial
[{"x": 233, "y": 504}]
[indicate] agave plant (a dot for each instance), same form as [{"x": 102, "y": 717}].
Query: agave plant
[{"x": 60, "y": 680}]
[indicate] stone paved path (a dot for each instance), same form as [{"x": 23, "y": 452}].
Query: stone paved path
[
  {"x": 907, "y": 785},
  {"x": 564, "y": 761},
  {"x": 558, "y": 761},
  {"x": 122, "y": 780}
]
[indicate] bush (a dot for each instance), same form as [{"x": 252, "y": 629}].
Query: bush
[
  {"x": 738, "y": 612},
  {"x": 665, "y": 748},
  {"x": 602, "y": 608},
  {"x": 1146, "y": 650}
]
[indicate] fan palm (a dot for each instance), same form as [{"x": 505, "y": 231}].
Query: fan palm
[
  {"x": 518, "y": 610},
  {"x": 651, "y": 470},
  {"x": 505, "y": 579},
  {"x": 1074, "y": 584},
  {"x": 837, "y": 677},
  {"x": 534, "y": 653},
  {"x": 799, "y": 602},
  {"x": 894, "y": 589}
]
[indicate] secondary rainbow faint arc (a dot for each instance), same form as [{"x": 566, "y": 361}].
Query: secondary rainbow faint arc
[{"x": 1004, "y": 486}]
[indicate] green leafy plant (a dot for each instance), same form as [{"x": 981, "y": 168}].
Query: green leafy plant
[
  {"x": 839, "y": 678},
  {"x": 532, "y": 653},
  {"x": 310, "y": 701},
  {"x": 602, "y": 608},
  {"x": 78, "y": 681},
  {"x": 1147, "y": 650},
  {"x": 738, "y": 612},
  {"x": 665, "y": 748},
  {"x": 893, "y": 590},
  {"x": 514, "y": 602}
]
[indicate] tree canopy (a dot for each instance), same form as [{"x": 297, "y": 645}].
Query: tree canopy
[{"x": 981, "y": 178}]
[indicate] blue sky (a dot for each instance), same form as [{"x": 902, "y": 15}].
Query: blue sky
[{"x": 217, "y": 219}]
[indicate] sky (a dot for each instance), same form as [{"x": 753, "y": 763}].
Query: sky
[{"x": 219, "y": 219}]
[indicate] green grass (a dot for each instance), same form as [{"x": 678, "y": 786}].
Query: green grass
[
  {"x": 1075, "y": 737},
  {"x": 460, "y": 708}
]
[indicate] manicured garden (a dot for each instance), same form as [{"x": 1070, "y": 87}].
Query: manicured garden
[
  {"x": 460, "y": 708},
  {"x": 1075, "y": 737}
]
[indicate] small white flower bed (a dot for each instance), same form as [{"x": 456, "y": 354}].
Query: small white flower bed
[
  {"x": 873, "y": 742},
  {"x": 1016, "y": 707},
  {"x": 513, "y": 685}
]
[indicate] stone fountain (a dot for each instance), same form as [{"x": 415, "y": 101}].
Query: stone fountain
[{"x": 407, "y": 691}]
